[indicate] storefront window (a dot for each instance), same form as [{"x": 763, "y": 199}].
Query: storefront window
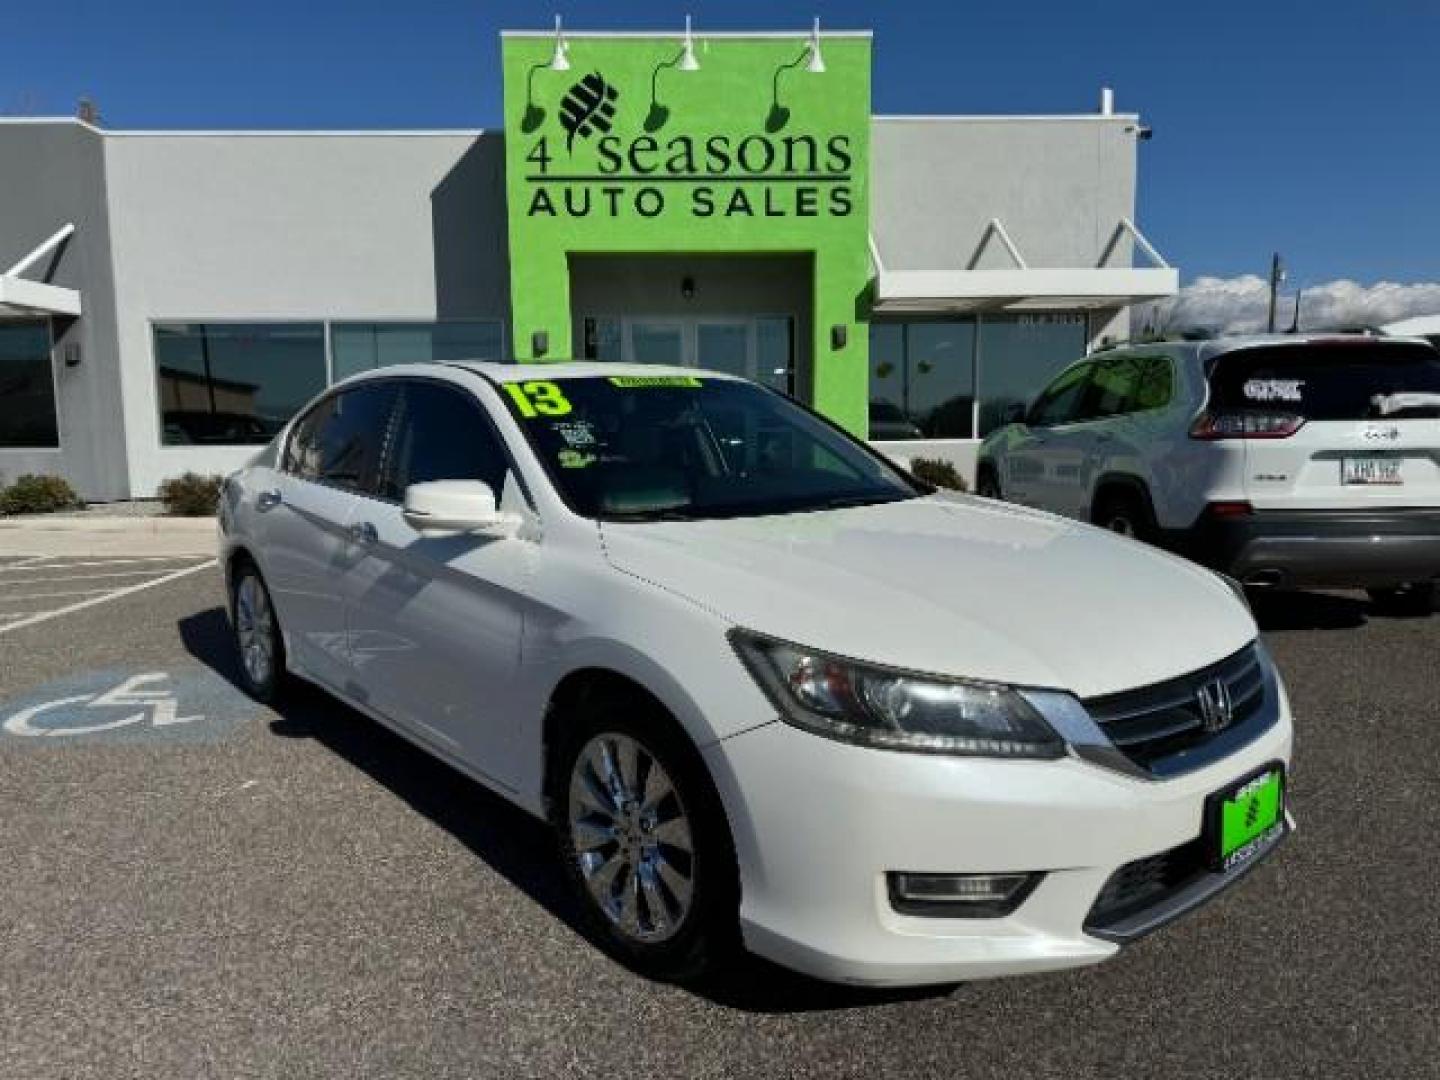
[
  {"x": 1019, "y": 354},
  {"x": 235, "y": 383},
  {"x": 27, "y": 388},
  {"x": 922, "y": 380},
  {"x": 363, "y": 346}
]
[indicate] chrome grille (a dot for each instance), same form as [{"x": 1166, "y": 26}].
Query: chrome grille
[{"x": 1159, "y": 726}]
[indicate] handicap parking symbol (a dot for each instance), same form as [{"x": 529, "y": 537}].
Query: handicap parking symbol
[{"x": 117, "y": 706}]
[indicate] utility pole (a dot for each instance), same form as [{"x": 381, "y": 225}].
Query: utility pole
[{"x": 1277, "y": 275}]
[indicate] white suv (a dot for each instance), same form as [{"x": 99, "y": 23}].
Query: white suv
[
  {"x": 1284, "y": 461},
  {"x": 757, "y": 679}
]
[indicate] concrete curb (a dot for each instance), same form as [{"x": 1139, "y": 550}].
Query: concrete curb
[{"x": 63, "y": 535}]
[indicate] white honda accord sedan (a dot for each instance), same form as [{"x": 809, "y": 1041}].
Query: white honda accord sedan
[{"x": 765, "y": 687}]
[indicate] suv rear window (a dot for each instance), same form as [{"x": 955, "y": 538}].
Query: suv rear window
[{"x": 1349, "y": 381}]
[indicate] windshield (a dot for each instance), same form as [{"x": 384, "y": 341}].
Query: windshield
[
  {"x": 1344, "y": 381},
  {"x": 666, "y": 447}
]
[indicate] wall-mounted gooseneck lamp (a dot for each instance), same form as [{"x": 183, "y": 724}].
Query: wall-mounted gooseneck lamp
[
  {"x": 559, "y": 61},
  {"x": 684, "y": 60},
  {"x": 814, "y": 63}
]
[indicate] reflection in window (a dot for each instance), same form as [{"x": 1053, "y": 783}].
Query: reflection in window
[
  {"x": 27, "y": 387},
  {"x": 235, "y": 383},
  {"x": 922, "y": 380},
  {"x": 364, "y": 346},
  {"x": 1019, "y": 354}
]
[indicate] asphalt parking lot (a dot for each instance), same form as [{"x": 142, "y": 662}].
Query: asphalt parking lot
[{"x": 197, "y": 886}]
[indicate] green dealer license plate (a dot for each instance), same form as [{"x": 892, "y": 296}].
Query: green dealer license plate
[{"x": 1245, "y": 818}]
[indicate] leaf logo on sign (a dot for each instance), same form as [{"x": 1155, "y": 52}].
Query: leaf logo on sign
[{"x": 587, "y": 107}]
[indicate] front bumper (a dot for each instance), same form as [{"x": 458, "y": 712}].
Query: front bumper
[
  {"x": 1321, "y": 548},
  {"x": 817, "y": 824}
]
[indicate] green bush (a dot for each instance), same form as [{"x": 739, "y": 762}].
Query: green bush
[
  {"x": 940, "y": 473},
  {"x": 32, "y": 494},
  {"x": 191, "y": 495}
]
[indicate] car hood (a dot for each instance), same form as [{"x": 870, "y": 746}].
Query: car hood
[{"x": 952, "y": 585}]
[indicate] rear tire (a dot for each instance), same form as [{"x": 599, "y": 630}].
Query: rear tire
[
  {"x": 1126, "y": 513},
  {"x": 259, "y": 645},
  {"x": 1415, "y": 598},
  {"x": 643, "y": 838}
]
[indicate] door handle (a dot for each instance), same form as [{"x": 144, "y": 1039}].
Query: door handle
[
  {"x": 268, "y": 500},
  {"x": 362, "y": 532}
]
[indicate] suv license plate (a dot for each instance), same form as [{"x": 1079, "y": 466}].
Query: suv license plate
[
  {"x": 1243, "y": 819},
  {"x": 1370, "y": 470}
]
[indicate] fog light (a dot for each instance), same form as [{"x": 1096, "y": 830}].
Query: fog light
[{"x": 960, "y": 896}]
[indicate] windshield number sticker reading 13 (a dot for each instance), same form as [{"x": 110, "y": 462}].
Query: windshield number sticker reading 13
[{"x": 534, "y": 399}]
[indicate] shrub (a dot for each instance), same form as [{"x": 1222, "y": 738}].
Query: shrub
[
  {"x": 32, "y": 494},
  {"x": 191, "y": 495},
  {"x": 940, "y": 473}
]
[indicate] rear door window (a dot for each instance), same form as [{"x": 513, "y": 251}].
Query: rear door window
[
  {"x": 1128, "y": 383},
  {"x": 1363, "y": 380}
]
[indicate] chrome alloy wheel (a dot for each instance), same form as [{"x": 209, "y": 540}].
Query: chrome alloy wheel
[
  {"x": 631, "y": 838},
  {"x": 255, "y": 630}
]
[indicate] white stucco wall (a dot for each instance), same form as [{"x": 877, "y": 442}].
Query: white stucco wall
[{"x": 256, "y": 227}]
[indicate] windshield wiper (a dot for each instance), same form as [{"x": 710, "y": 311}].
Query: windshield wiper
[
  {"x": 669, "y": 513},
  {"x": 844, "y": 502}
]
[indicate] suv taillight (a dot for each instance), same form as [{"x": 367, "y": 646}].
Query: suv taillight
[{"x": 1245, "y": 425}]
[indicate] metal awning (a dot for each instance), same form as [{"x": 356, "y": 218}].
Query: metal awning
[
  {"x": 1022, "y": 287},
  {"x": 21, "y": 298}
]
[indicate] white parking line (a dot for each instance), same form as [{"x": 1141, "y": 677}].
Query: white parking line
[
  {"x": 77, "y": 577},
  {"x": 31, "y": 561},
  {"x": 53, "y": 595},
  {"x": 80, "y": 605},
  {"x": 63, "y": 562}
]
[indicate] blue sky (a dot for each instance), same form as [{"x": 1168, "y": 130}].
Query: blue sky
[{"x": 1308, "y": 128}]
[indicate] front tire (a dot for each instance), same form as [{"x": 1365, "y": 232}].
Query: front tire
[
  {"x": 1414, "y": 599},
  {"x": 643, "y": 838},
  {"x": 258, "y": 643}
]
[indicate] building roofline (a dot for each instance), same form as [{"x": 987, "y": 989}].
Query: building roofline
[
  {"x": 675, "y": 31},
  {"x": 263, "y": 133},
  {"x": 1001, "y": 117},
  {"x": 302, "y": 133},
  {"x": 18, "y": 120},
  {"x": 472, "y": 133}
]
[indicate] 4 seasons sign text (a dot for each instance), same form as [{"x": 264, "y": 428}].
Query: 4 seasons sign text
[{"x": 593, "y": 172}]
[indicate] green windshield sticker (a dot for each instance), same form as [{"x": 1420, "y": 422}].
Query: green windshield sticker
[
  {"x": 574, "y": 459},
  {"x": 634, "y": 382},
  {"x": 538, "y": 398}
]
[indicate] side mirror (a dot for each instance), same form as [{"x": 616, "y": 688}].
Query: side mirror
[
  {"x": 455, "y": 506},
  {"x": 1013, "y": 413}
]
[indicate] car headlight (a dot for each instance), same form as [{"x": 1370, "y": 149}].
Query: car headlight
[{"x": 898, "y": 710}]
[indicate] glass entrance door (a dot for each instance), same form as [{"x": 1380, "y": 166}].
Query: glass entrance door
[
  {"x": 658, "y": 341},
  {"x": 760, "y": 347}
]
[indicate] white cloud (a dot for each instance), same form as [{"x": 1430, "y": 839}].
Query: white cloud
[{"x": 1240, "y": 304}]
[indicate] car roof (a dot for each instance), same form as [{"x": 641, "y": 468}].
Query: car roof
[
  {"x": 576, "y": 369},
  {"x": 1204, "y": 349},
  {"x": 1422, "y": 326}
]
